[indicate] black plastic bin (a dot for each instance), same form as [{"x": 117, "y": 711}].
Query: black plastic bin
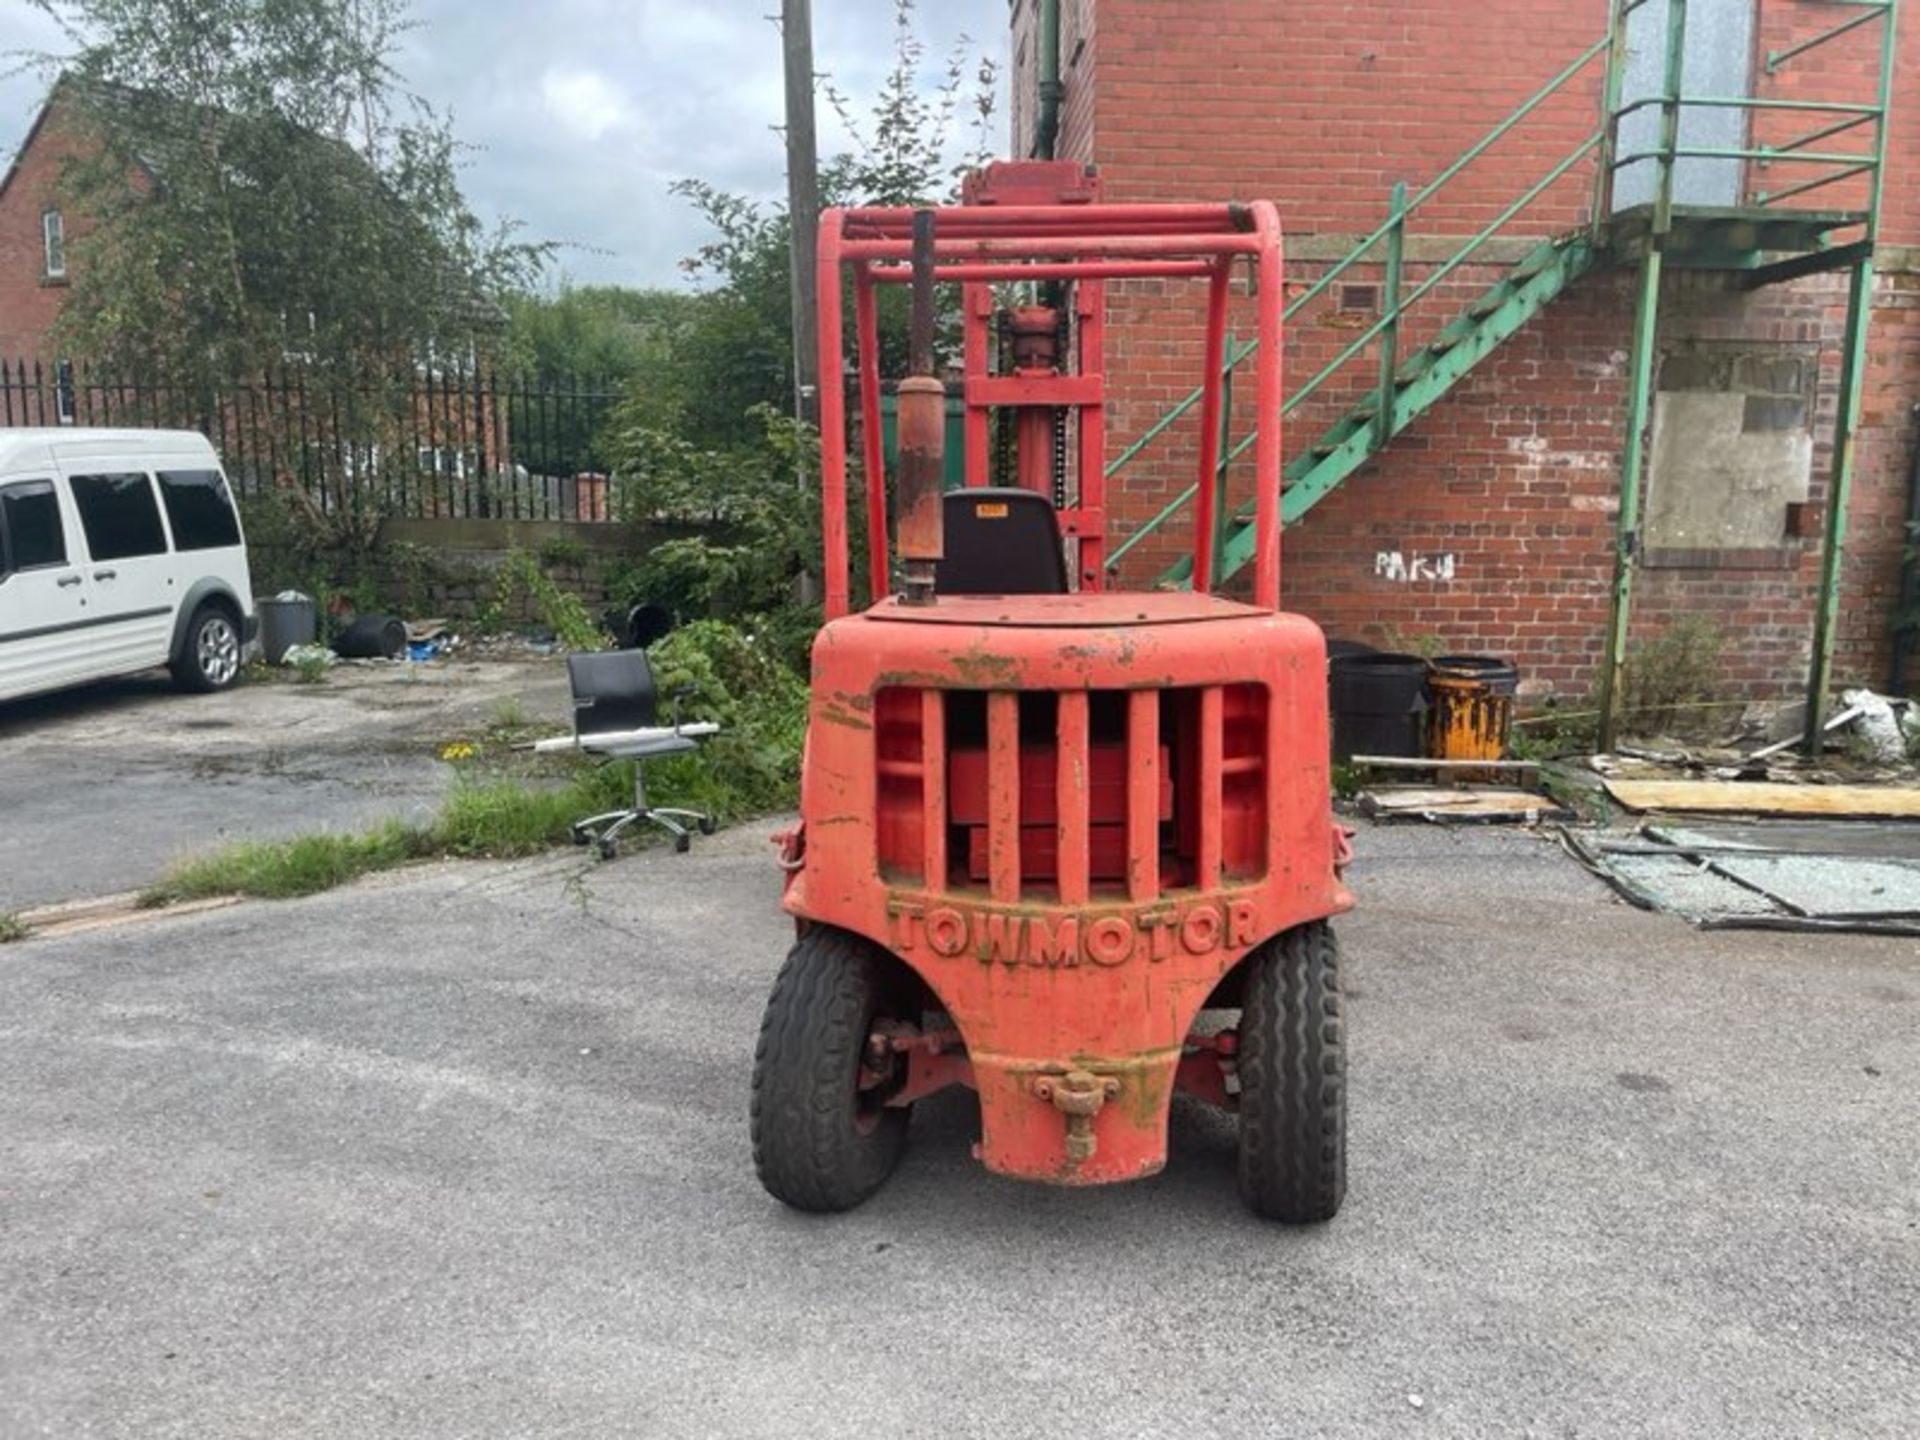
[{"x": 1378, "y": 704}]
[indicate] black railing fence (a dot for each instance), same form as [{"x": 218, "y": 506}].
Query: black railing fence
[{"x": 430, "y": 444}]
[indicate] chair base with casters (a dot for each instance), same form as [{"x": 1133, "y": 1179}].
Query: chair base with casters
[{"x": 604, "y": 831}]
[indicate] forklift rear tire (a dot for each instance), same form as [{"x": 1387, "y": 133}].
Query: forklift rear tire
[
  {"x": 1293, "y": 1082},
  {"x": 820, "y": 1143}
]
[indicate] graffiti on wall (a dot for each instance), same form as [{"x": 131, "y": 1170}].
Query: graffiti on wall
[{"x": 1405, "y": 569}]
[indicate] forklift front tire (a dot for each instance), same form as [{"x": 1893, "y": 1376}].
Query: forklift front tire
[
  {"x": 820, "y": 1142},
  {"x": 1293, "y": 1082}
]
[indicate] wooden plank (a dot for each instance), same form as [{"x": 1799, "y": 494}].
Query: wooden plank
[
  {"x": 1467, "y": 804},
  {"x": 1411, "y": 762},
  {"x": 1756, "y": 797}
]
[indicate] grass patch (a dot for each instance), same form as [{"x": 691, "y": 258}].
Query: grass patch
[
  {"x": 500, "y": 817},
  {"x": 12, "y": 928},
  {"x": 284, "y": 869}
]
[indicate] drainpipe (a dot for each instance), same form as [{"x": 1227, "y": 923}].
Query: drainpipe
[
  {"x": 1046, "y": 128},
  {"x": 1904, "y": 614}
]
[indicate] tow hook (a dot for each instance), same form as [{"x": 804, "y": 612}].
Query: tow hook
[{"x": 1078, "y": 1095}]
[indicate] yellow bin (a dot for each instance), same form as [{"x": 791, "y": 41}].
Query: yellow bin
[{"x": 1470, "y": 715}]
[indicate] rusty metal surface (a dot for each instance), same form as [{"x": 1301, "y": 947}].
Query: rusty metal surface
[
  {"x": 1037, "y": 985},
  {"x": 918, "y": 533},
  {"x": 1107, "y": 611},
  {"x": 1074, "y": 959}
]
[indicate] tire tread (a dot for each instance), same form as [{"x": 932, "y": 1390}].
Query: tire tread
[
  {"x": 807, "y": 1149},
  {"x": 1293, "y": 1084}
]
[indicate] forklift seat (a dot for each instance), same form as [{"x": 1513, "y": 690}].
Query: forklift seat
[{"x": 1001, "y": 541}]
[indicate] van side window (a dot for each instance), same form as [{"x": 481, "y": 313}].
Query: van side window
[
  {"x": 119, "y": 516},
  {"x": 30, "y": 527},
  {"x": 199, "y": 509}
]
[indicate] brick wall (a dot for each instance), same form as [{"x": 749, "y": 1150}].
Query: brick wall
[
  {"x": 1509, "y": 486},
  {"x": 29, "y": 302}
]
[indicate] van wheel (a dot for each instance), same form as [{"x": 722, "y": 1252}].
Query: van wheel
[
  {"x": 210, "y": 659},
  {"x": 1293, "y": 1079}
]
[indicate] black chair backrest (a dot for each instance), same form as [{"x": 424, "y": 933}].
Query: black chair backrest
[
  {"x": 1001, "y": 542},
  {"x": 612, "y": 691}
]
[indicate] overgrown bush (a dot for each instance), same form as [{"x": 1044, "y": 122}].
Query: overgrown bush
[
  {"x": 728, "y": 675},
  {"x": 1669, "y": 679},
  {"x": 756, "y": 504}
]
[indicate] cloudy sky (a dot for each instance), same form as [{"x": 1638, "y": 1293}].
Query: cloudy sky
[{"x": 582, "y": 112}]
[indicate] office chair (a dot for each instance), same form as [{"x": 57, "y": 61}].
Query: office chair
[{"x": 615, "y": 706}]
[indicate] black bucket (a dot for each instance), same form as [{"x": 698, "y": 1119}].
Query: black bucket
[
  {"x": 372, "y": 637},
  {"x": 1378, "y": 704},
  {"x": 1340, "y": 649}
]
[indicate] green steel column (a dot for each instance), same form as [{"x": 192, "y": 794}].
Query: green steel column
[
  {"x": 1626, "y": 534},
  {"x": 1846, "y": 419},
  {"x": 1390, "y": 307},
  {"x": 1610, "y": 91},
  {"x": 1646, "y": 331},
  {"x": 1670, "y": 88}
]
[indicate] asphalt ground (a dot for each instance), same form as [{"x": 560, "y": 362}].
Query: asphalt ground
[
  {"x": 462, "y": 1151},
  {"x": 104, "y": 786}
]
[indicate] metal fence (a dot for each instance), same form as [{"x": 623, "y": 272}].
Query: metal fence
[{"x": 431, "y": 443}]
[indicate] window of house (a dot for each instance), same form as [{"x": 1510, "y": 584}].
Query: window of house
[
  {"x": 443, "y": 460},
  {"x": 119, "y": 516},
  {"x": 31, "y": 535},
  {"x": 53, "y": 235},
  {"x": 199, "y": 509}
]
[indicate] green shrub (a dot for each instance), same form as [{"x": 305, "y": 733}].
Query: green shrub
[
  {"x": 1668, "y": 680},
  {"x": 735, "y": 679}
]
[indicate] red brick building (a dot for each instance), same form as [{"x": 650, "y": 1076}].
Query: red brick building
[
  {"x": 35, "y": 228},
  {"x": 1489, "y": 521}
]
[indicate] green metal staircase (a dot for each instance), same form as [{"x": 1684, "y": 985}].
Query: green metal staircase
[
  {"x": 1762, "y": 238},
  {"x": 1418, "y": 383}
]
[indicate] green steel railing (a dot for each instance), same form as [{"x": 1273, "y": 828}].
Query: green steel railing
[{"x": 1389, "y": 237}]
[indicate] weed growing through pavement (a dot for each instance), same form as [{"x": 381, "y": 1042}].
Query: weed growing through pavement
[
  {"x": 311, "y": 669},
  {"x": 12, "y": 928}
]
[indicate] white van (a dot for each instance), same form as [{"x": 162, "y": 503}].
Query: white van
[{"x": 120, "y": 550}]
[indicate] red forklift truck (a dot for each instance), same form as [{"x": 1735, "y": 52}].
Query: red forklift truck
[{"x": 1045, "y": 824}]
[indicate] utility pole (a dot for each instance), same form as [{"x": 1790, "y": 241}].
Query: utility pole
[{"x": 803, "y": 202}]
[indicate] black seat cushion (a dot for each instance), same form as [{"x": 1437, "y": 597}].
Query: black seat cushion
[
  {"x": 612, "y": 690},
  {"x": 1001, "y": 542}
]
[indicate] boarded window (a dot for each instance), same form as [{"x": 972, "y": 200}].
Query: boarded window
[
  {"x": 1732, "y": 445},
  {"x": 199, "y": 510},
  {"x": 119, "y": 516}
]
